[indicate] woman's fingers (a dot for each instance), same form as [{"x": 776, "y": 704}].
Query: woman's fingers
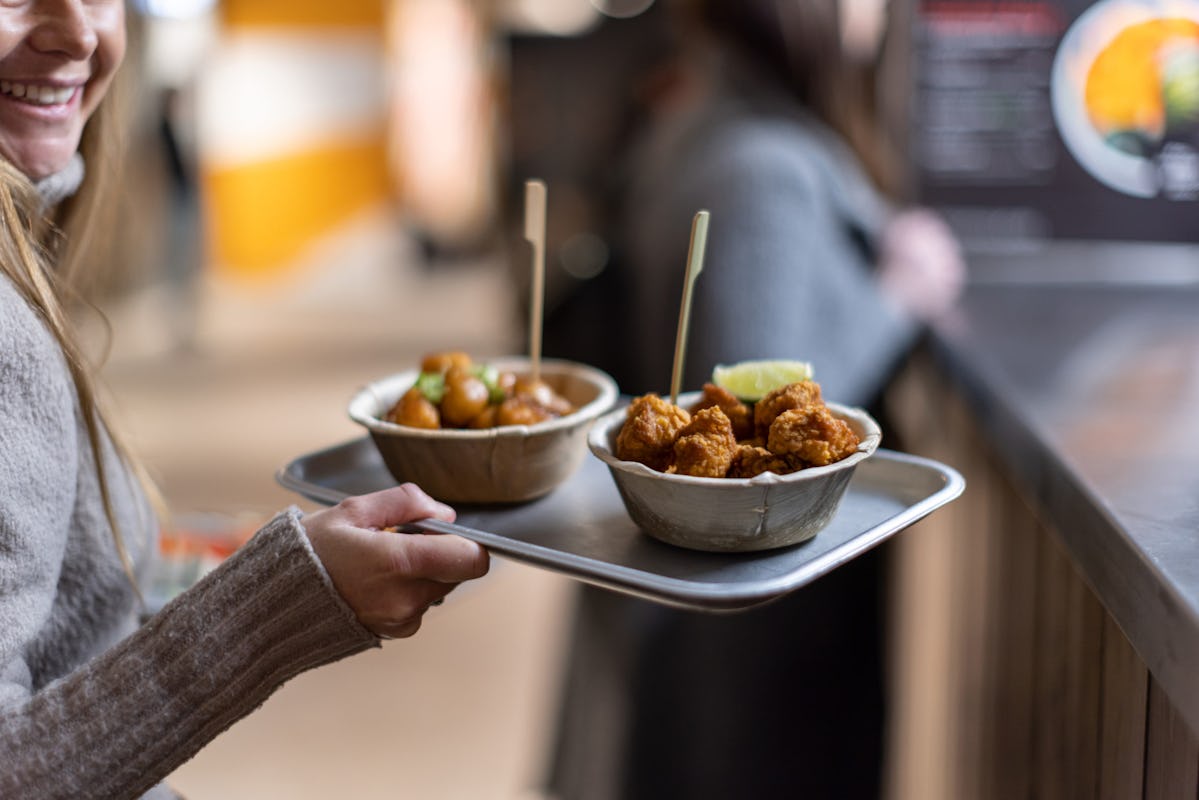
[
  {"x": 438, "y": 557},
  {"x": 394, "y": 506}
]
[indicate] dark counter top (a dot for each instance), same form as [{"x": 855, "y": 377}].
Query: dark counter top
[{"x": 1090, "y": 394}]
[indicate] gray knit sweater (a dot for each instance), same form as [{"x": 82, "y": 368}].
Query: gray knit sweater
[{"x": 91, "y": 705}]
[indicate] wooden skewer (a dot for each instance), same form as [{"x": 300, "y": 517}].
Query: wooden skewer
[
  {"x": 535, "y": 233},
  {"x": 695, "y": 265}
]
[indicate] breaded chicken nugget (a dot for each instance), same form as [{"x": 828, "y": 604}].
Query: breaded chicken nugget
[
  {"x": 706, "y": 445},
  {"x": 739, "y": 413},
  {"x": 813, "y": 435},
  {"x": 751, "y": 460},
  {"x": 784, "y": 398},
  {"x": 649, "y": 431}
]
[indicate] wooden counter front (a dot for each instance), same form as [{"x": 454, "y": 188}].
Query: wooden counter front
[{"x": 1011, "y": 679}]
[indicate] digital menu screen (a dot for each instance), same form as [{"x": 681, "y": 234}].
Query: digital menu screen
[{"x": 1059, "y": 120}]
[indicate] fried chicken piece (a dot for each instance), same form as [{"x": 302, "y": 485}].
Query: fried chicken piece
[
  {"x": 649, "y": 431},
  {"x": 751, "y": 460},
  {"x": 705, "y": 446},
  {"x": 784, "y": 398},
  {"x": 739, "y": 413},
  {"x": 812, "y": 435}
]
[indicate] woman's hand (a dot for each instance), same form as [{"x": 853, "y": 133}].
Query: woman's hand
[
  {"x": 391, "y": 579},
  {"x": 921, "y": 268}
]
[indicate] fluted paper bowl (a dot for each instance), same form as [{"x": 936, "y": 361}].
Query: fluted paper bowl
[
  {"x": 507, "y": 464},
  {"x": 732, "y": 514}
]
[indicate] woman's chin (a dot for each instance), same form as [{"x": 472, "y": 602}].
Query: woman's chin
[{"x": 40, "y": 162}]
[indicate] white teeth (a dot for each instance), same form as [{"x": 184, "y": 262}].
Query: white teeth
[{"x": 40, "y": 95}]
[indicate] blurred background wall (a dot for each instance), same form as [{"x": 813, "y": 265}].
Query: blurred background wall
[
  {"x": 290, "y": 118},
  {"x": 303, "y": 115}
]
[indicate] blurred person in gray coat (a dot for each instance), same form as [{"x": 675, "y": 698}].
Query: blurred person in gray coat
[{"x": 758, "y": 117}]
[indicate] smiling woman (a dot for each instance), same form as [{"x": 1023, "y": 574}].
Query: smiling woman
[
  {"x": 91, "y": 703},
  {"x": 55, "y": 69}
]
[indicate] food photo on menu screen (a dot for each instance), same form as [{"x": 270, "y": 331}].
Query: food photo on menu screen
[{"x": 1059, "y": 120}]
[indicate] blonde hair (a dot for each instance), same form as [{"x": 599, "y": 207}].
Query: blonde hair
[{"x": 46, "y": 258}]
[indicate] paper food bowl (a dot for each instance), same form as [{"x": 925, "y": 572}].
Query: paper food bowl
[
  {"x": 509, "y": 464},
  {"x": 732, "y": 514}
]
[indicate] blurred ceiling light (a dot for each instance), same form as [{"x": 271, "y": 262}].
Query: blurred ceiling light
[
  {"x": 550, "y": 17},
  {"x": 174, "y": 9},
  {"x": 622, "y": 9}
]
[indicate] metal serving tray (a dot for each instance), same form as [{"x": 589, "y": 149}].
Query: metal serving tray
[{"x": 581, "y": 529}]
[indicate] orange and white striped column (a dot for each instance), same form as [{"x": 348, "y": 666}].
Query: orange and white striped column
[{"x": 292, "y": 127}]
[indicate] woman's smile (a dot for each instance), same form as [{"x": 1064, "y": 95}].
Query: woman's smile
[{"x": 38, "y": 95}]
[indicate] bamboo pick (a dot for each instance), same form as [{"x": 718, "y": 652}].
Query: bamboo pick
[
  {"x": 695, "y": 265},
  {"x": 535, "y": 233}
]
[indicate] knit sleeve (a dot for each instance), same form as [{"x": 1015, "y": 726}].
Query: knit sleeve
[{"x": 128, "y": 718}]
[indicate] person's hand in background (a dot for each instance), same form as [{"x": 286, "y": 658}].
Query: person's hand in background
[
  {"x": 921, "y": 268},
  {"x": 391, "y": 579}
]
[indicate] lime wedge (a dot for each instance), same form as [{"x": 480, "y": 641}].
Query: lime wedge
[{"x": 751, "y": 380}]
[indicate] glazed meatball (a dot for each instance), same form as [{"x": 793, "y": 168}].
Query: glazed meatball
[
  {"x": 441, "y": 362},
  {"x": 413, "y": 410},
  {"x": 521, "y": 410},
  {"x": 540, "y": 393},
  {"x": 465, "y": 397},
  {"x": 485, "y": 418}
]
